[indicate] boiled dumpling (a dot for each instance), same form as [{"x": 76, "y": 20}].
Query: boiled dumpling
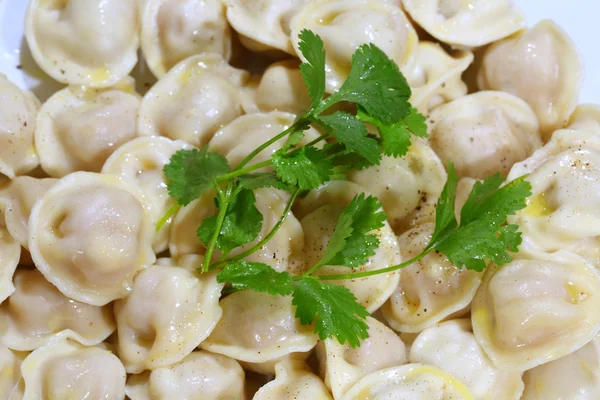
[
  {"x": 10, "y": 251},
  {"x": 84, "y": 42},
  {"x": 282, "y": 88},
  {"x": 11, "y": 384},
  {"x": 585, "y": 117},
  {"x": 90, "y": 234},
  {"x": 293, "y": 380}
]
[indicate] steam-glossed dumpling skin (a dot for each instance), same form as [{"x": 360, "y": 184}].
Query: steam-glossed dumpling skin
[
  {"x": 10, "y": 251},
  {"x": 345, "y": 25},
  {"x": 193, "y": 100},
  {"x": 11, "y": 385},
  {"x": 16, "y": 201},
  {"x": 37, "y": 313},
  {"x": 342, "y": 366},
  {"x": 564, "y": 208},
  {"x": 282, "y": 88},
  {"x": 430, "y": 290},
  {"x": 328, "y": 202},
  {"x": 84, "y": 42},
  {"x": 66, "y": 370},
  {"x": 173, "y": 30},
  {"x": 451, "y": 347},
  {"x": 201, "y": 375},
  {"x": 18, "y": 112},
  {"x": 142, "y": 161},
  {"x": 260, "y": 330},
  {"x": 466, "y": 24},
  {"x": 263, "y": 26},
  {"x": 530, "y": 312},
  {"x": 437, "y": 78},
  {"x": 293, "y": 380},
  {"x": 408, "y": 187},
  {"x": 409, "y": 382},
  {"x": 484, "y": 133},
  {"x": 586, "y": 117},
  {"x": 574, "y": 376},
  {"x": 79, "y": 127},
  {"x": 90, "y": 234},
  {"x": 542, "y": 67}
]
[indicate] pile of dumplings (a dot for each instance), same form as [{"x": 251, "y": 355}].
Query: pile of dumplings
[{"x": 95, "y": 304}]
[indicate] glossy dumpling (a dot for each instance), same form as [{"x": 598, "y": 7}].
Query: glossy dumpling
[
  {"x": 484, "y": 133},
  {"x": 259, "y": 329},
  {"x": 173, "y": 30},
  {"x": 574, "y": 376},
  {"x": 321, "y": 209},
  {"x": 84, "y": 42},
  {"x": 466, "y": 24},
  {"x": 11, "y": 385},
  {"x": 585, "y": 117},
  {"x": 431, "y": 289},
  {"x": 10, "y": 252},
  {"x": 451, "y": 347},
  {"x": 90, "y": 234},
  {"x": 37, "y": 313},
  {"x": 142, "y": 161},
  {"x": 79, "y": 127},
  {"x": 200, "y": 375},
  {"x": 409, "y": 382},
  {"x": 66, "y": 370},
  {"x": 437, "y": 78},
  {"x": 408, "y": 187},
  {"x": 342, "y": 366},
  {"x": 344, "y": 25},
  {"x": 540, "y": 65},
  {"x": 293, "y": 380},
  {"x": 532, "y": 311},
  {"x": 196, "y": 98},
  {"x": 16, "y": 201},
  {"x": 282, "y": 88},
  {"x": 18, "y": 113}
]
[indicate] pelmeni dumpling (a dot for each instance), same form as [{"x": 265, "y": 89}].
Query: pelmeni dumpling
[
  {"x": 260, "y": 330},
  {"x": 431, "y": 289},
  {"x": 196, "y": 98},
  {"x": 466, "y": 24},
  {"x": 37, "y": 313},
  {"x": 66, "y": 370},
  {"x": 451, "y": 347},
  {"x": 241, "y": 136},
  {"x": 344, "y": 25},
  {"x": 168, "y": 313},
  {"x": 437, "y": 78},
  {"x": 10, "y": 252},
  {"x": 142, "y": 161},
  {"x": 321, "y": 209},
  {"x": 563, "y": 210},
  {"x": 173, "y": 30},
  {"x": 585, "y": 117},
  {"x": 574, "y": 376},
  {"x": 16, "y": 201},
  {"x": 282, "y": 88},
  {"x": 84, "y": 42},
  {"x": 293, "y": 380},
  {"x": 409, "y": 382},
  {"x": 79, "y": 127},
  {"x": 90, "y": 234},
  {"x": 484, "y": 133},
  {"x": 342, "y": 366},
  {"x": 18, "y": 112},
  {"x": 532, "y": 311},
  {"x": 200, "y": 375},
  {"x": 540, "y": 65},
  {"x": 408, "y": 187},
  {"x": 11, "y": 384}
]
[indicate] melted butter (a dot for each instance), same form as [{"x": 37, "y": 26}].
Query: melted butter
[
  {"x": 99, "y": 76},
  {"x": 574, "y": 294},
  {"x": 537, "y": 206},
  {"x": 126, "y": 86}
]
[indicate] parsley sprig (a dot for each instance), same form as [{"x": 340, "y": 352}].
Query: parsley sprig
[{"x": 380, "y": 94}]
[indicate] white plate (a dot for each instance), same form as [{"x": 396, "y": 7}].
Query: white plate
[{"x": 579, "y": 18}]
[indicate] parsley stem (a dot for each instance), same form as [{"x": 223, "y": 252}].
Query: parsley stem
[
  {"x": 219, "y": 224},
  {"x": 238, "y": 172},
  {"x": 165, "y": 218},
  {"x": 317, "y": 140},
  {"x": 269, "y": 236}
]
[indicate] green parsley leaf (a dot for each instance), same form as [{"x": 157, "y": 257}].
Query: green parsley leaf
[
  {"x": 242, "y": 224},
  {"x": 415, "y": 123},
  {"x": 292, "y": 140},
  {"x": 445, "y": 220},
  {"x": 313, "y": 70},
  {"x": 344, "y": 158},
  {"x": 376, "y": 84},
  {"x": 260, "y": 180},
  {"x": 256, "y": 276},
  {"x": 351, "y": 132},
  {"x": 306, "y": 167},
  {"x": 193, "y": 172},
  {"x": 334, "y": 310}
]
